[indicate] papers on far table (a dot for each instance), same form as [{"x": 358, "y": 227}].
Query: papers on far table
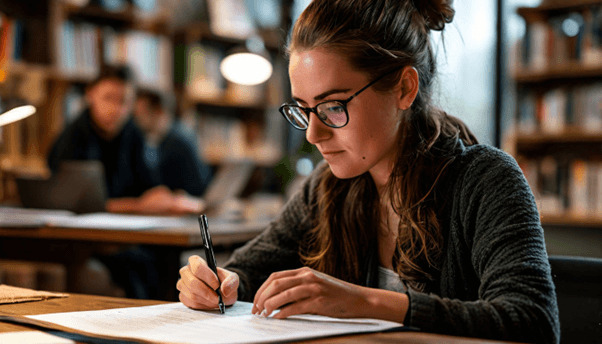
[
  {"x": 122, "y": 221},
  {"x": 14, "y": 217},
  {"x": 175, "y": 323}
]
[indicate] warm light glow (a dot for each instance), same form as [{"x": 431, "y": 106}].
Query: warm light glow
[
  {"x": 2, "y": 76},
  {"x": 246, "y": 68},
  {"x": 16, "y": 114}
]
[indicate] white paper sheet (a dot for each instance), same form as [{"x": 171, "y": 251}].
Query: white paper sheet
[{"x": 175, "y": 323}]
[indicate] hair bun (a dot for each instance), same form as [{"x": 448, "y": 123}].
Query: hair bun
[{"x": 436, "y": 13}]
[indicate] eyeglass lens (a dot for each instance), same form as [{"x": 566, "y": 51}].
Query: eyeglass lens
[{"x": 332, "y": 114}]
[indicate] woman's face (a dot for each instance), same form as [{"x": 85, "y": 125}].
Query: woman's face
[{"x": 369, "y": 141}]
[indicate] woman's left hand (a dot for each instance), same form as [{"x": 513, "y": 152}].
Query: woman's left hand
[{"x": 305, "y": 290}]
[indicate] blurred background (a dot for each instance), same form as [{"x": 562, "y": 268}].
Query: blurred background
[{"x": 526, "y": 76}]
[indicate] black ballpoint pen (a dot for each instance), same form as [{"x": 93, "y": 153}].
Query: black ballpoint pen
[{"x": 210, "y": 256}]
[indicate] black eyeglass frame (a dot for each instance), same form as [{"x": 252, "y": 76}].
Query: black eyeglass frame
[{"x": 343, "y": 103}]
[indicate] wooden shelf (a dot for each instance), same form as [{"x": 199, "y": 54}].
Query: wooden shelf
[
  {"x": 225, "y": 103},
  {"x": 200, "y": 31},
  {"x": 562, "y": 138},
  {"x": 569, "y": 71},
  {"x": 122, "y": 19},
  {"x": 569, "y": 144},
  {"x": 550, "y": 7},
  {"x": 571, "y": 220}
]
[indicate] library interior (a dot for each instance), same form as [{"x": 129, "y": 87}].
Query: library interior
[{"x": 124, "y": 120}]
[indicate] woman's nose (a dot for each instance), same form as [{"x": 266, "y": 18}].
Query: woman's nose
[{"x": 316, "y": 130}]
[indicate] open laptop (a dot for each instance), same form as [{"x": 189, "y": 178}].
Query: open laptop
[
  {"x": 78, "y": 186},
  {"x": 229, "y": 182},
  {"x": 226, "y": 186}
]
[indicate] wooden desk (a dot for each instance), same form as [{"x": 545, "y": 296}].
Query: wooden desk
[
  {"x": 73, "y": 246},
  {"x": 78, "y": 302}
]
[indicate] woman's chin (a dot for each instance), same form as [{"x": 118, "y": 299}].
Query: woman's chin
[{"x": 344, "y": 172}]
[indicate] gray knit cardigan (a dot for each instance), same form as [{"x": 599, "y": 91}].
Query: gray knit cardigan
[{"x": 494, "y": 280}]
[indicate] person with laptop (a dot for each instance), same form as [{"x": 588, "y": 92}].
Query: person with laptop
[{"x": 105, "y": 131}]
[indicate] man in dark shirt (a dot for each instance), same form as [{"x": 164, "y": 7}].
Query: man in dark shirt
[{"x": 105, "y": 131}]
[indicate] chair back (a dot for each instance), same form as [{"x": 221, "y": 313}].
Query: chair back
[{"x": 578, "y": 283}]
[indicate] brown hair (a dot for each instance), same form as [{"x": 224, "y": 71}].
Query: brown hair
[
  {"x": 378, "y": 36},
  {"x": 123, "y": 73}
]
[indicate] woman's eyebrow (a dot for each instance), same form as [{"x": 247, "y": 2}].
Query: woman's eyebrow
[{"x": 324, "y": 94}]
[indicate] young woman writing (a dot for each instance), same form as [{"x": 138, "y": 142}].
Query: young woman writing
[{"x": 408, "y": 219}]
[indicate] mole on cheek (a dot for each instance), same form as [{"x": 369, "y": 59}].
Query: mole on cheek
[{"x": 364, "y": 158}]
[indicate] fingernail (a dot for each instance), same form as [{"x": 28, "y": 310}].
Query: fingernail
[{"x": 264, "y": 313}]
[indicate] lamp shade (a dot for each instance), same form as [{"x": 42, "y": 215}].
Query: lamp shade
[
  {"x": 246, "y": 68},
  {"x": 16, "y": 114}
]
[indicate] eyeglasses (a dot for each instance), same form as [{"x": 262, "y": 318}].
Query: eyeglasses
[{"x": 333, "y": 113}]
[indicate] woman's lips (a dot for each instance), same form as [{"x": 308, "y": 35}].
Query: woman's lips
[{"x": 332, "y": 152}]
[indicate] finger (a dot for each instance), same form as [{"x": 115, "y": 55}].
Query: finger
[
  {"x": 288, "y": 297},
  {"x": 194, "y": 303},
  {"x": 273, "y": 276},
  {"x": 276, "y": 286},
  {"x": 201, "y": 270},
  {"x": 230, "y": 282},
  {"x": 305, "y": 306},
  {"x": 197, "y": 290},
  {"x": 268, "y": 282}
]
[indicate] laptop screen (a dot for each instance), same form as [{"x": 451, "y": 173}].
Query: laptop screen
[{"x": 78, "y": 186}]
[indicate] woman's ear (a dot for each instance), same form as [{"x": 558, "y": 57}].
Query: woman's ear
[{"x": 409, "y": 87}]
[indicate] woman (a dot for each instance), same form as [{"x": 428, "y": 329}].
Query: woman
[{"x": 409, "y": 219}]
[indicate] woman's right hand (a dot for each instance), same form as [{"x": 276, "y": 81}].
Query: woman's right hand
[{"x": 197, "y": 285}]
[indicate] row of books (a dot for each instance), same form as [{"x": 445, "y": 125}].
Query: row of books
[
  {"x": 565, "y": 186},
  {"x": 240, "y": 18},
  {"x": 558, "y": 40},
  {"x": 118, "y": 5},
  {"x": 150, "y": 56},
  {"x": 223, "y": 138},
  {"x": 11, "y": 39},
  {"x": 557, "y": 109}
]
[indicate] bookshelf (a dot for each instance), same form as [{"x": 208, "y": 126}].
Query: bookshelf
[
  {"x": 557, "y": 136},
  {"x": 234, "y": 122},
  {"x": 58, "y": 47},
  {"x": 49, "y": 51}
]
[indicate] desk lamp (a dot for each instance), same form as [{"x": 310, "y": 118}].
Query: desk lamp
[{"x": 16, "y": 114}]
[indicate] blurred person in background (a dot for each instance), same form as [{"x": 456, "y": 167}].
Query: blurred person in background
[
  {"x": 170, "y": 154},
  {"x": 105, "y": 131}
]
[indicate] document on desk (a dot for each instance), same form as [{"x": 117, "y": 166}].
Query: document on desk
[{"x": 175, "y": 323}]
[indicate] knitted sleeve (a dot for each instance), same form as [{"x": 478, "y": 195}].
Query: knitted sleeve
[{"x": 499, "y": 222}]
